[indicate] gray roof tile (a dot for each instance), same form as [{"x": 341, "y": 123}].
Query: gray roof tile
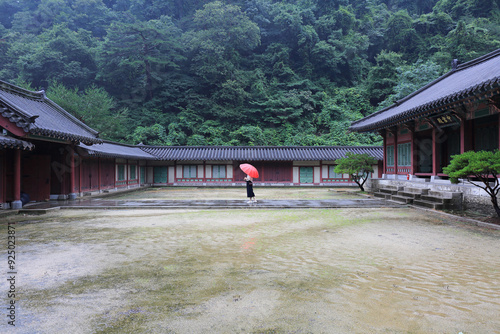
[
  {"x": 110, "y": 149},
  {"x": 13, "y": 143},
  {"x": 258, "y": 153},
  {"x": 482, "y": 73},
  {"x": 38, "y": 115}
]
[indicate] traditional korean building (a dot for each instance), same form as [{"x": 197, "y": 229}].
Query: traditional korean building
[
  {"x": 453, "y": 114},
  {"x": 50, "y": 155},
  {"x": 277, "y": 165},
  {"x": 36, "y": 146}
]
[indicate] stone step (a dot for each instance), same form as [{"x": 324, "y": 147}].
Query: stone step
[
  {"x": 382, "y": 195},
  {"x": 435, "y": 199},
  {"x": 445, "y": 194},
  {"x": 402, "y": 199},
  {"x": 428, "y": 204},
  {"x": 421, "y": 191},
  {"x": 409, "y": 194},
  {"x": 388, "y": 191}
]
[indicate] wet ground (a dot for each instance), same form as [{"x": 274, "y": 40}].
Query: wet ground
[
  {"x": 315, "y": 270},
  {"x": 219, "y": 198}
]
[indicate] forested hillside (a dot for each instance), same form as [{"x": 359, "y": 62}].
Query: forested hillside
[{"x": 247, "y": 72}]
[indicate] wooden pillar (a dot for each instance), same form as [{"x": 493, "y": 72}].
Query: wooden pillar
[
  {"x": 396, "y": 151},
  {"x": 384, "y": 164},
  {"x": 99, "y": 173},
  {"x": 17, "y": 204},
  {"x": 71, "y": 153},
  {"x": 413, "y": 152},
  {"x": 434, "y": 152},
  {"x": 462, "y": 136}
]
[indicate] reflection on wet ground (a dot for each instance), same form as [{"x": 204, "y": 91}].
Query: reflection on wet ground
[
  {"x": 135, "y": 203},
  {"x": 256, "y": 271}
]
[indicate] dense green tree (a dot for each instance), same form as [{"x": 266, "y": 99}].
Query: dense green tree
[
  {"x": 57, "y": 54},
  {"x": 401, "y": 36},
  {"x": 358, "y": 166},
  {"x": 411, "y": 78},
  {"x": 136, "y": 55},
  {"x": 383, "y": 77},
  {"x": 480, "y": 169},
  {"x": 224, "y": 72},
  {"x": 94, "y": 106},
  {"x": 155, "y": 134},
  {"x": 468, "y": 41},
  {"x": 221, "y": 35},
  {"x": 460, "y": 8}
]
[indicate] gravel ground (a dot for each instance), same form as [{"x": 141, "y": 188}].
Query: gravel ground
[{"x": 266, "y": 271}]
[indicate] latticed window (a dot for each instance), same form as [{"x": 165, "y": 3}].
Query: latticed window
[
  {"x": 332, "y": 174},
  {"x": 218, "y": 171},
  {"x": 389, "y": 155},
  {"x": 132, "y": 172},
  {"x": 189, "y": 172},
  {"x": 121, "y": 172},
  {"x": 404, "y": 154}
]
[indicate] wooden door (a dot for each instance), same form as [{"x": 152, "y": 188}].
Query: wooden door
[
  {"x": 160, "y": 174},
  {"x": 306, "y": 174},
  {"x": 35, "y": 180}
]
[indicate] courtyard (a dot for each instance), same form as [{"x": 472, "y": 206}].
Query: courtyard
[{"x": 315, "y": 270}]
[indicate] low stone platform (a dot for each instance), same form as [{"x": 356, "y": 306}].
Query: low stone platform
[{"x": 99, "y": 203}]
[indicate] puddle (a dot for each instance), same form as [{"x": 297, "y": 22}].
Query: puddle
[{"x": 269, "y": 271}]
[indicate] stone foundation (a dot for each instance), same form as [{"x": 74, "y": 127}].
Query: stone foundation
[{"x": 473, "y": 199}]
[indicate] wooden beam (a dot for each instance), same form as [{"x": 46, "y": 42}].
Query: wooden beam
[{"x": 11, "y": 127}]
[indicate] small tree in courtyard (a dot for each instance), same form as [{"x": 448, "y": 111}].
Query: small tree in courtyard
[
  {"x": 358, "y": 166},
  {"x": 483, "y": 167}
]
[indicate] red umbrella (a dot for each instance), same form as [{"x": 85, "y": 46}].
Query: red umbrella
[{"x": 250, "y": 170}]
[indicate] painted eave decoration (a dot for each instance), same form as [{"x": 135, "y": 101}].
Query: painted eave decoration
[{"x": 476, "y": 79}]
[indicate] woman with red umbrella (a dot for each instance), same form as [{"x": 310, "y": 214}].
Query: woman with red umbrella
[{"x": 251, "y": 173}]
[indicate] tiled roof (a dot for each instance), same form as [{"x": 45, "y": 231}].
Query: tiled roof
[
  {"x": 38, "y": 115},
  {"x": 258, "y": 153},
  {"x": 115, "y": 150},
  {"x": 13, "y": 143},
  {"x": 479, "y": 75}
]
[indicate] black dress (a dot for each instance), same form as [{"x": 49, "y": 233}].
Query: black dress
[{"x": 250, "y": 189}]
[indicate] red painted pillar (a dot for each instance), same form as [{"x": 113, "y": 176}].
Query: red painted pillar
[
  {"x": 99, "y": 167},
  {"x": 413, "y": 161},
  {"x": 72, "y": 172},
  {"x": 384, "y": 164},
  {"x": 396, "y": 151},
  {"x": 434, "y": 152},
  {"x": 80, "y": 175},
  {"x": 462, "y": 136},
  {"x": 17, "y": 204},
  {"x": 126, "y": 172}
]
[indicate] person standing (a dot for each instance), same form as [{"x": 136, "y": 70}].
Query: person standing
[{"x": 250, "y": 193}]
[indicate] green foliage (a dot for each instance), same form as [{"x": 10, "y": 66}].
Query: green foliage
[
  {"x": 383, "y": 77},
  {"x": 151, "y": 135},
  {"x": 358, "y": 166},
  {"x": 243, "y": 72},
  {"x": 411, "y": 78},
  {"x": 95, "y": 107},
  {"x": 483, "y": 167}
]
